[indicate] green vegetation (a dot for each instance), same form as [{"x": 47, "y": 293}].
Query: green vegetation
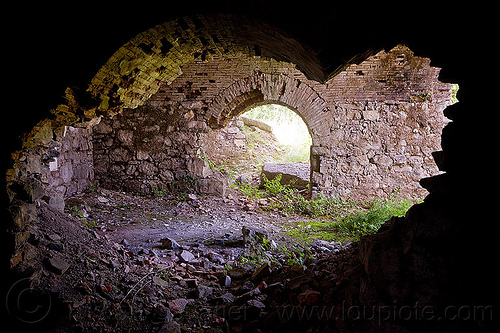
[
  {"x": 421, "y": 97},
  {"x": 157, "y": 192},
  {"x": 336, "y": 219},
  {"x": 81, "y": 213},
  {"x": 364, "y": 218},
  {"x": 360, "y": 222},
  {"x": 454, "y": 91},
  {"x": 288, "y": 127}
]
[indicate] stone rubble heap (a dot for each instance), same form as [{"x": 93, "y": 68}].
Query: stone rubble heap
[{"x": 104, "y": 285}]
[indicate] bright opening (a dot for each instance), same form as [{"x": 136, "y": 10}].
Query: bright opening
[{"x": 288, "y": 128}]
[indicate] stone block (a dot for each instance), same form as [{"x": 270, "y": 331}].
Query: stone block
[
  {"x": 142, "y": 155},
  {"x": 66, "y": 172},
  {"x": 148, "y": 169},
  {"x": 211, "y": 186},
  {"x": 103, "y": 128},
  {"x": 199, "y": 168},
  {"x": 58, "y": 265},
  {"x": 57, "y": 200},
  {"x": 295, "y": 174},
  {"x": 125, "y": 136},
  {"x": 252, "y": 234},
  {"x": 399, "y": 159}
]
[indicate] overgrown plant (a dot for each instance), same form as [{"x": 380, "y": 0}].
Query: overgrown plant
[
  {"x": 342, "y": 219},
  {"x": 157, "y": 192},
  {"x": 274, "y": 187},
  {"x": 81, "y": 213},
  {"x": 251, "y": 191},
  {"x": 349, "y": 221},
  {"x": 360, "y": 223}
]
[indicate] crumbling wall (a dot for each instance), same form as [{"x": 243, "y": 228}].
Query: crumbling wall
[
  {"x": 379, "y": 146},
  {"x": 160, "y": 143},
  {"x": 387, "y": 120},
  {"x": 373, "y": 126},
  {"x": 135, "y": 72},
  {"x": 56, "y": 162}
]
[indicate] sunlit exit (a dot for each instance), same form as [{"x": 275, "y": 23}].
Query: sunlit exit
[{"x": 288, "y": 127}]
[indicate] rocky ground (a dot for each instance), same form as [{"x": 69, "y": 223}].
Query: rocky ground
[
  {"x": 117, "y": 262},
  {"x": 143, "y": 221}
]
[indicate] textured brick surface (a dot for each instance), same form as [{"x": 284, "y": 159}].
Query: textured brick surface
[
  {"x": 132, "y": 74},
  {"x": 373, "y": 126}
]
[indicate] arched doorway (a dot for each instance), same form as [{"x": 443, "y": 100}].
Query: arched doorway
[
  {"x": 266, "y": 139},
  {"x": 288, "y": 127}
]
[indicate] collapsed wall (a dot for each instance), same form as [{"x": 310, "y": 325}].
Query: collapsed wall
[{"x": 373, "y": 126}]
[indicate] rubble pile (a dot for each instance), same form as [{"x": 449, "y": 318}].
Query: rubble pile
[{"x": 172, "y": 286}]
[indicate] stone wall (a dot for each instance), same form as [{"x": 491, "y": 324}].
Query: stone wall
[
  {"x": 57, "y": 164},
  {"x": 373, "y": 125},
  {"x": 140, "y": 148},
  {"x": 379, "y": 146},
  {"x": 73, "y": 170}
]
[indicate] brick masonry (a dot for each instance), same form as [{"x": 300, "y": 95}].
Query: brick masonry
[{"x": 374, "y": 125}]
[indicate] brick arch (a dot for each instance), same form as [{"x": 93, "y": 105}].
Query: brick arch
[
  {"x": 270, "y": 88},
  {"x": 134, "y": 72},
  {"x": 372, "y": 131}
]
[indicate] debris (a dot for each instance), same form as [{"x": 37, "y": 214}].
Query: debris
[
  {"x": 102, "y": 199},
  {"x": 242, "y": 180},
  {"x": 169, "y": 316},
  {"x": 170, "y": 327},
  {"x": 186, "y": 256},
  {"x": 256, "y": 304},
  {"x": 191, "y": 283},
  {"x": 297, "y": 281},
  {"x": 79, "y": 303},
  {"x": 58, "y": 264},
  {"x": 56, "y": 247},
  {"x": 54, "y": 237},
  {"x": 227, "y": 281},
  {"x": 309, "y": 297},
  {"x": 160, "y": 282},
  {"x": 204, "y": 291},
  {"x": 192, "y": 197},
  {"x": 178, "y": 305},
  {"x": 263, "y": 202},
  {"x": 251, "y": 234},
  {"x": 169, "y": 244},
  {"x": 122, "y": 275},
  {"x": 248, "y": 285},
  {"x": 263, "y": 271},
  {"x": 225, "y": 298},
  {"x": 238, "y": 272}
]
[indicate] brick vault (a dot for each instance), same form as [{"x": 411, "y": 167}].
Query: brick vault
[
  {"x": 139, "y": 125},
  {"x": 375, "y": 123}
]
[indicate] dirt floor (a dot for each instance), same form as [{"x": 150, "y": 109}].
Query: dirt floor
[
  {"x": 143, "y": 221},
  {"x": 117, "y": 262}
]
